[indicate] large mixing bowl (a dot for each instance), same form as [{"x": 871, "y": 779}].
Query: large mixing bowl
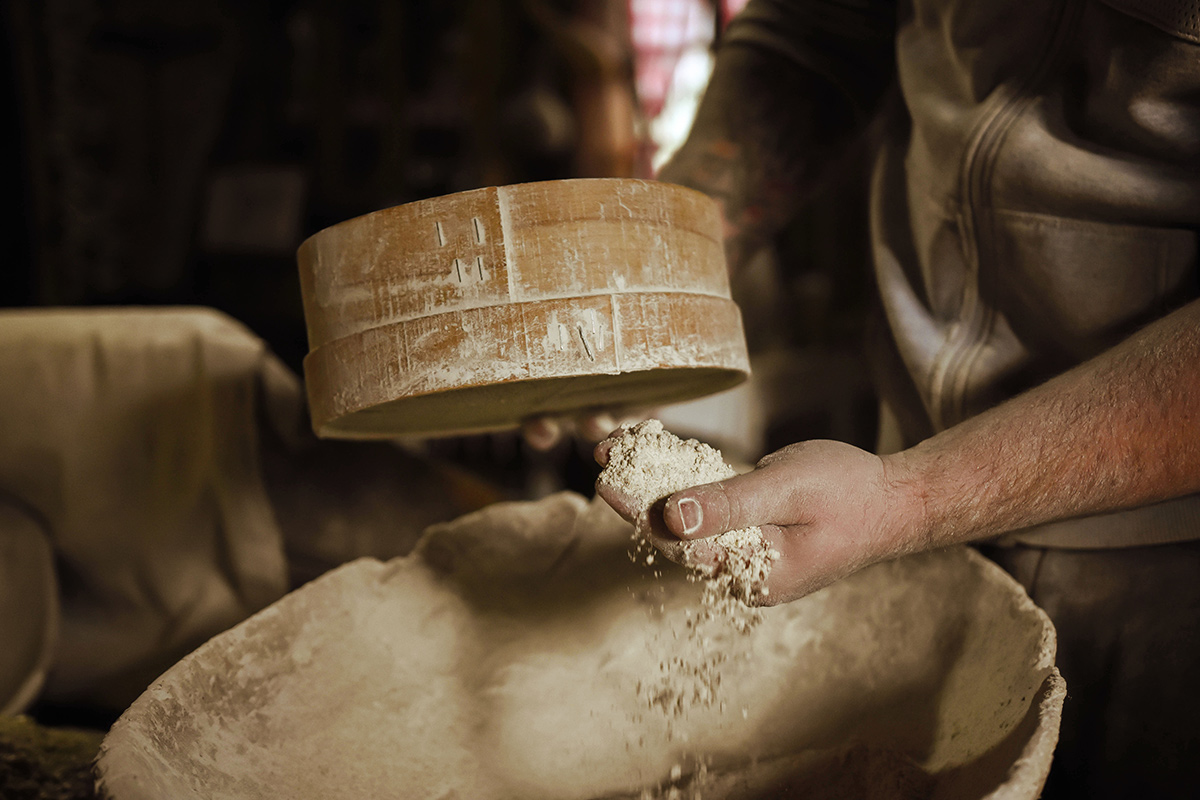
[{"x": 503, "y": 659}]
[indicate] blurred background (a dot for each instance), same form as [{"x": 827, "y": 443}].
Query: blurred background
[{"x": 178, "y": 153}]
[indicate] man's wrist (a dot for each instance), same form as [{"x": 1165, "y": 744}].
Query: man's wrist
[{"x": 912, "y": 525}]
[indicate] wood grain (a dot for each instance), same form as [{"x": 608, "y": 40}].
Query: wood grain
[{"x": 475, "y": 310}]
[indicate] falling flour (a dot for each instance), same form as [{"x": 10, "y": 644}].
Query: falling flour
[{"x": 646, "y": 464}]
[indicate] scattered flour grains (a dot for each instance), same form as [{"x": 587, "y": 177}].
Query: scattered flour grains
[{"x": 647, "y": 464}]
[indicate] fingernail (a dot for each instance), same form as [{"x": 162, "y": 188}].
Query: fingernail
[{"x": 691, "y": 514}]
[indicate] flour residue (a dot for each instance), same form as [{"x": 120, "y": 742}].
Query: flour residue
[{"x": 646, "y": 464}]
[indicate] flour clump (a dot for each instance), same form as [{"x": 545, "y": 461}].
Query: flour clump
[{"x": 645, "y": 464}]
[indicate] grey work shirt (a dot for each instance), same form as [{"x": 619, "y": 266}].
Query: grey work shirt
[{"x": 1035, "y": 201}]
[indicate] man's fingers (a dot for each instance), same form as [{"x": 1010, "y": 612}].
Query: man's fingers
[
  {"x": 542, "y": 433},
  {"x": 600, "y": 451},
  {"x": 756, "y": 498},
  {"x": 702, "y": 554},
  {"x": 623, "y": 504},
  {"x": 594, "y": 427},
  {"x": 546, "y": 433}
]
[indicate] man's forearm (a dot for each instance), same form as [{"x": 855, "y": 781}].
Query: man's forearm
[
  {"x": 763, "y": 134},
  {"x": 1119, "y": 431},
  {"x": 792, "y": 86}
]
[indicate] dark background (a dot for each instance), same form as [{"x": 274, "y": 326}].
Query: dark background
[{"x": 178, "y": 152}]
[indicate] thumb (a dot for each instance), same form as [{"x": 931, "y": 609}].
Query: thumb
[{"x": 756, "y": 498}]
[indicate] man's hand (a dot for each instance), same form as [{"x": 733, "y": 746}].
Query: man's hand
[
  {"x": 828, "y": 508},
  {"x": 545, "y": 433},
  {"x": 1119, "y": 431}
]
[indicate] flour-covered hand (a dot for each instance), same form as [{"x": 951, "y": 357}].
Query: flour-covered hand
[
  {"x": 645, "y": 513},
  {"x": 827, "y": 507}
]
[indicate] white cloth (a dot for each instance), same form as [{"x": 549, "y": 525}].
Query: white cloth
[{"x": 132, "y": 437}]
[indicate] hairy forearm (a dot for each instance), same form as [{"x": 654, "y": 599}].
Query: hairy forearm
[{"x": 1119, "y": 431}]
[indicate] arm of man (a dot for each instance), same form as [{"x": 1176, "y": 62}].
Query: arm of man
[
  {"x": 793, "y": 86},
  {"x": 1118, "y": 431}
]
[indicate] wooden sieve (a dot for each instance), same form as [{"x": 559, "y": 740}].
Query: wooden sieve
[{"x": 475, "y": 310}]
